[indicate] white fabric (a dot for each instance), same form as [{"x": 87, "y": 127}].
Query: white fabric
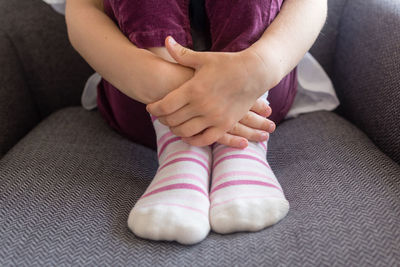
[
  {"x": 256, "y": 201},
  {"x": 89, "y": 95},
  {"x": 58, "y": 5},
  {"x": 176, "y": 205},
  {"x": 51, "y": 2},
  {"x": 315, "y": 89}
]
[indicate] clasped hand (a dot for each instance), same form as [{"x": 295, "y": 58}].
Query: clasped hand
[{"x": 221, "y": 97}]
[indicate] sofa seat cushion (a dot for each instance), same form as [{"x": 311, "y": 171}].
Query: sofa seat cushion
[{"x": 66, "y": 190}]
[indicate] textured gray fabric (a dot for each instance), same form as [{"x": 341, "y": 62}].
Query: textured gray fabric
[
  {"x": 17, "y": 110},
  {"x": 55, "y": 73},
  {"x": 67, "y": 188},
  {"x": 367, "y": 70},
  {"x": 325, "y": 46}
]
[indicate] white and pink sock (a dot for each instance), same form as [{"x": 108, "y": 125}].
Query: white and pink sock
[
  {"x": 245, "y": 194},
  {"x": 175, "y": 207}
]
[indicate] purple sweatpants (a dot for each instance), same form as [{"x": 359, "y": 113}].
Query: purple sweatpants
[{"x": 234, "y": 26}]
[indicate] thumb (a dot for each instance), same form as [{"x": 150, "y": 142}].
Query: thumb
[{"x": 182, "y": 55}]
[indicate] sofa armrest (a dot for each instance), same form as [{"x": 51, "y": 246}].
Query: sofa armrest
[
  {"x": 367, "y": 70},
  {"x": 55, "y": 73},
  {"x": 18, "y": 113}
]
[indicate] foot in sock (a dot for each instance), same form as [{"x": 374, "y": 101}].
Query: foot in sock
[
  {"x": 245, "y": 194},
  {"x": 175, "y": 207}
]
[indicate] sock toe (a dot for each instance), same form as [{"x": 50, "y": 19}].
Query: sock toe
[
  {"x": 248, "y": 215},
  {"x": 170, "y": 224}
]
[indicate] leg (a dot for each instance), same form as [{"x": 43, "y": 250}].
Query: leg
[
  {"x": 175, "y": 206},
  {"x": 148, "y": 22},
  {"x": 245, "y": 194},
  {"x": 243, "y": 200},
  {"x": 146, "y": 28}
]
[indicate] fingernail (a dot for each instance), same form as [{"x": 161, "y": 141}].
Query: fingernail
[
  {"x": 172, "y": 41},
  {"x": 272, "y": 126},
  {"x": 264, "y": 136},
  {"x": 243, "y": 144}
]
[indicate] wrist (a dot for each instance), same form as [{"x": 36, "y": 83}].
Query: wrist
[
  {"x": 164, "y": 77},
  {"x": 176, "y": 75},
  {"x": 264, "y": 62}
]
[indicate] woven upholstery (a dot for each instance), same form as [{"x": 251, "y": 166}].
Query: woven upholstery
[{"x": 66, "y": 190}]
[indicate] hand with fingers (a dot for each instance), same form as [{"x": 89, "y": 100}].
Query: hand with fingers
[
  {"x": 254, "y": 126},
  {"x": 217, "y": 100}
]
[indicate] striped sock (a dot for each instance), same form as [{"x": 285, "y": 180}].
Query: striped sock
[
  {"x": 245, "y": 194},
  {"x": 175, "y": 207}
]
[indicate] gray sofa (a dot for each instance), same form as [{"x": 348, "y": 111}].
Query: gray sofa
[{"x": 68, "y": 182}]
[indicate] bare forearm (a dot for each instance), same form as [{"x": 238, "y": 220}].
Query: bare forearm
[
  {"x": 290, "y": 35},
  {"x": 138, "y": 73}
]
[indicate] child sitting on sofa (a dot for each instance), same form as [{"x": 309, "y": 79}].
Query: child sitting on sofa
[{"x": 201, "y": 102}]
